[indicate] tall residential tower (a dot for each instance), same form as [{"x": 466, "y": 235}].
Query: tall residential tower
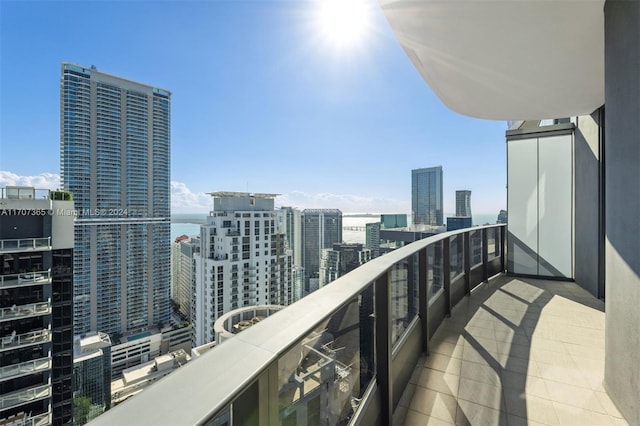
[
  {"x": 243, "y": 260},
  {"x": 426, "y": 196},
  {"x": 321, "y": 228},
  {"x": 114, "y": 157},
  {"x": 463, "y": 203}
]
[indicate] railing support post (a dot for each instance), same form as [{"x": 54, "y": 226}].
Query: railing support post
[
  {"x": 467, "y": 262},
  {"x": 423, "y": 298},
  {"x": 446, "y": 273},
  {"x": 268, "y": 401},
  {"x": 383, "y": 348},
  {"x": 485, "y": 256},
  {"x": 502, "y": 238}
]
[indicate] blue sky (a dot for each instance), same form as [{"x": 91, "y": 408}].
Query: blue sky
[{"x": 264, "y": 99}]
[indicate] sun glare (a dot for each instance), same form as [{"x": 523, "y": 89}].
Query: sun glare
[{"x": 343, "y": 22}]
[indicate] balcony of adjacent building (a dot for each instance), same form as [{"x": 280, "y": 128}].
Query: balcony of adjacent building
[
  {"x": 25, "y": 279},
  {"x": 25, "y": 244}
]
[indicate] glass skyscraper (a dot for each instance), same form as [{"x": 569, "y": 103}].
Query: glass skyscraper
[
  {"x": 463, "y": 203},
  {"x": 321, "y": 228},
  {"x": 426, "y": 196},
  {"x": 114, "y": 156}
]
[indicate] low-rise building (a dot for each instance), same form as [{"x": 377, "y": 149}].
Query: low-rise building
[{"x": 134, "y": 380}]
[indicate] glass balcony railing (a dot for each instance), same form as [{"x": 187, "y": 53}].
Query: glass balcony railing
[
  {"x": 14, "y": 312},
  {"x": 27, "y": 367},
  {"x": 24, "y": 396},
  {"x": 341, "y": 355},
  {"x": 31, "y": 338},
  {"x": 25, "y": 278},
  {"x": 24, "y": 244}
]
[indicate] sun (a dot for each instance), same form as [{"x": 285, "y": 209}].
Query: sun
[{"x": 343, "y": 22}]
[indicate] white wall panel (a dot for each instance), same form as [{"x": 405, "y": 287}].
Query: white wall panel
[
  {"x": 555, "y": 201},
  {"x": 522, "y": 206}
]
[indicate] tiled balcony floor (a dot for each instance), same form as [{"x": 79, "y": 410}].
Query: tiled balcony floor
[{"x": 516, "y": 352}]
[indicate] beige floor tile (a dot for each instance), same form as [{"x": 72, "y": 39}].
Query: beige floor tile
[
  {"x": 470, "y": 413},
  {"x": 439, "y": 381},
  {"x": 523, "y": 366},
  {"x": 515, "y": 350},
  {"x": 434, "y": 404},
  {"x": 474, "y": 331},
  {"x": 447, "y": 348},
  {"x": 519, "y": 421},
  {"x": 530, "y": 385},
  {"x": 479, "y": 355},
  {"x": 575, "y": 396},
  {"x": 548, "y": 357},
  {"x": 481, "y": 393},
  {"x": 480, "y": 373},
  {"x": 618, "y": 421},
  {"x": 608, "y": 405},
  {"x": 563, "y": 374},
  {"x": 443, "y": 363},
  {"x": 569, "y": 415},
  {"x": 531, "y": 407}
]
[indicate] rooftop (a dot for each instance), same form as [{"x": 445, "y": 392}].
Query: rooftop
[{"x": 241, "y": 194}]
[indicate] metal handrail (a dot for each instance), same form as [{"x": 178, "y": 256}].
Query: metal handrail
[
  {"x": 24, "y": 396},
  {"x": 25, "y": 278},
  {"x": 25, "y": 244},
  {"x": 251, "y": 355},
  {"x": 39, "y": 308},
  {"x": 25, "y": 339},
  {"x": 9, "y": 371}
]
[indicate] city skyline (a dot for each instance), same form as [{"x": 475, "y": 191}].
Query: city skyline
[{"x": 266, "y": 64}]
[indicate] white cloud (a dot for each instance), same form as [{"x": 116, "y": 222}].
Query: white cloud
[
  {"x": 41, "y": 181},
  {"x": 183, "y": 200}
]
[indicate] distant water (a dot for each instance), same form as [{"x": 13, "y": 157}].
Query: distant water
[{"x": 189, "y": 229}]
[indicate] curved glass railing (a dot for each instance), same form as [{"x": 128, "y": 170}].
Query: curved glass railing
[{"x": 341, "y": 355}]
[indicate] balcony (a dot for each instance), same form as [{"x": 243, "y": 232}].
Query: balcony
[
  {"x": 24, "y": 396},
  {"x": 32, "y": 309},
  {"x": 25, "y": 278},
  {"x": 516, "y": 351},
  {"x": 31, "y": 338},
  {"x": 24, "y": 368},
  {"x": 500, "y": 350},
  {"x": 25, "y": 244},
  {"x": 22, "y": 419}
]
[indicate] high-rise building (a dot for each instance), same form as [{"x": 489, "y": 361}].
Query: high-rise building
[
  {"x": 372, "y": 238},
  {"x": 243, "y": 260},
  {"x": 36, "y": 306},
  {"x": 340, "y": 259},
  {"x": 389, "y": 221},
  {"x": 463, "y": 203},
  {"x": 183, "y": 276},
  {"x": 114, "y": 156},
  {"x": 426, "y": 196},
  {"x": 502, "y": 216},
  {"x": 292, "y": 222},
  {"x": 321, "y": 228},
  {"x": 91, "y": 376}
]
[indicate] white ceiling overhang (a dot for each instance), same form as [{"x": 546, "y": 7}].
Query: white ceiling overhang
[{"x": 508, "y": 59}]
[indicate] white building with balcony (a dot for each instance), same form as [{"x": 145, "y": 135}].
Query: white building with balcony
[{"x": 244, "y": 260}]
